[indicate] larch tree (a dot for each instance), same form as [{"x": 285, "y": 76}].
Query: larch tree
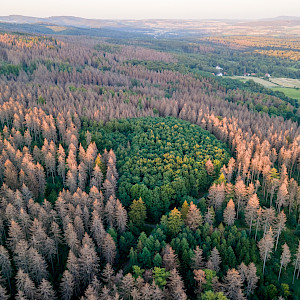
[
  {"x": 26, "y": 285},
  {"x": 40, "y": 174},
  {"x": 61, "y": 168},
  {"x": 109, "y": 188},
  {"x": 292, "y": 190},
  {"x": 229, "y": 213},
  {"x": 56, "y": 235},
  {"x": 3, "y": 293},
  {"x": 240, "y": 194},
  {"x": 50, "y": 164},
  {"x": 121, "y": 217},
  {"x": 170, "y": 260},
  {"x": 285, "y": 258},
  {"x": 233, "y": 285},
  {"x": 251, "y": 210},
  {"x": 194, "y": 217},
  {"x": 45, "y": 291},
  {"x": 71, "y": 181},
  {"x": 10, "y": 175},
  {"x": 266, "y": 245},
  {"x": 127, "y": 286},
  {"x": 27, "y": 138},
  {"x": 37, "y": 265},
  {"x": 109, "y": 249},
  {"x": 98, "y": 231},
  {"x": 279, "y": 226},
  {"x": 88, "y": 263},
  {"x": 259, "y": 220},
  {"x": 214, "y": 260},
  {"x": 250, "y": 277},
  {"x": 268, "y": 218},
  {"x": 146, "y": 291},
  {"x": 21, "y": 255},
  {"x": 71, "y": 238},
  {"x": 282, "y": 196},
  {"x": 97, "y": 177},
  {"x": 217, "y": 195},
  {"x": 15, "y": 234},
  {"x": 199, "y": 276},
  {"x": 90, "y": 293},
  {"x": 273, "y": 186},
  {"x": 297, "y": 263},
  {"x": 67, "y": 286},
  {"x": 210, "y": 216},
  {"x": 197, "y": 259},
  {"x": 108, "y": 275},
  {"x": 73, "y": 268},
  {"x": 209, "y": 166},
  {"x": 82, "y": 175},
  {"x": 175, "y": 286},
  {"x": 110, "y": 211},
  {"x": 5, "y": 264},
  {"x": 91, "y": 154}
]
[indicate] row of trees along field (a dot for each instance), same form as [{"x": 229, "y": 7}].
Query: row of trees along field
[{"x": 64, "y": 232}]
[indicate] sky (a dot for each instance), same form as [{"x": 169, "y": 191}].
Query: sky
[{"x": 153, "y": 9}]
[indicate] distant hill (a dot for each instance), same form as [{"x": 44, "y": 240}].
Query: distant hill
[
  {"x": 98, "y": 23},
  {"x": 155, "y": 27}
]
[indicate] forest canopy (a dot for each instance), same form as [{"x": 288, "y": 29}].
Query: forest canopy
[
  {"x": 115, "y": 182},
  {"x": 163, "y": 160}
]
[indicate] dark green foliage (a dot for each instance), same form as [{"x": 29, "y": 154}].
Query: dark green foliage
[
  {"x": 271, "y": 292},
  {"x": 9, "y": 69},
  {"x": 145, "y": 258},
  {"x": 137, "y": 213},
  {"x": 157, "y": 260},
  {"x": 161, "y": 160}
]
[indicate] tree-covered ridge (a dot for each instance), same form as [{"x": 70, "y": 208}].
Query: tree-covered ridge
[
  {"x": 59, "y": 198},
  {"x": 162, "y": 160}
]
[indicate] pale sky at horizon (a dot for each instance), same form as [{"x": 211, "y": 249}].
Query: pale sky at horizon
[{"x": 153, "y": 9}]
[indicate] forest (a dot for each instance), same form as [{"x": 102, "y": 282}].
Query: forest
[
  {"x": 235, "y": 54},
  {"x": 125, "y": 174}
]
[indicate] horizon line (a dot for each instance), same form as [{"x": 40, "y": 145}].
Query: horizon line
[{"x": 143, "y": 19}]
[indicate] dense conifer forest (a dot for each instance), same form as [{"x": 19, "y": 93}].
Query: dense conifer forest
[{"x": 120, "y": 180}]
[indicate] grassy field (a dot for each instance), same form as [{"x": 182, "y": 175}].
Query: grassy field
[
  {"x": 290, "y": 87},
  {"x": 286, "y": 82},
  {"x": 264, "y": 82},
  {"x": 290, "y": 92}
]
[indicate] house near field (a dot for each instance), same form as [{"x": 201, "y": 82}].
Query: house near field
[
  {"x": 267, "y": 75},
  {"x": 218, "y": 68}
]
